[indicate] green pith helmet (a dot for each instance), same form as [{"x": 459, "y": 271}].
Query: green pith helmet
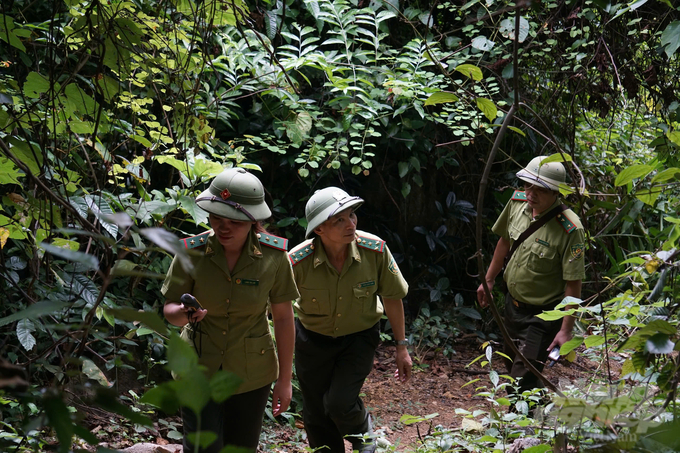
[
  {"x": 549, "y": 175},
  {"x": 236, "y": 195},
  {"x": 325, "y": 203}
]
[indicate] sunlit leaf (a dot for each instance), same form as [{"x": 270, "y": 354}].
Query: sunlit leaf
[
  {"x": 633, "y": 172},
  {"x": 593, "y": 340},
  {"x": 487, "y": 107},
  {"x": 441, "y": 97},
  {"x": 571, "y": 345},
  {"x": 470, "y": 71}
]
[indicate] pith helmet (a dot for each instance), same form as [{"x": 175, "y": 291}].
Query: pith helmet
[
  {"x": 236, "y": 195},
  {"x": 549, "y": 175},
  {"x": 325, "y": 203}
]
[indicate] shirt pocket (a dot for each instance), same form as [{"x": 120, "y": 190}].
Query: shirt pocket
[
  {"x": 364, "y": 299},
  {"x": 315, "y": 301},
  {"x": 260, "y": 357},
  {"x": 542, "y": 259}
]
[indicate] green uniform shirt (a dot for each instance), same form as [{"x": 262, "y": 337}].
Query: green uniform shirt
[
  {"x": 235, "y": 331},
  {"x": 337, "y": 304},
  {"x": 539, "y": 269}
]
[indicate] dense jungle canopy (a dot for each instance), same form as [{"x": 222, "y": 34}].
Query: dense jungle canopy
[{"x": 115, "y": 114}]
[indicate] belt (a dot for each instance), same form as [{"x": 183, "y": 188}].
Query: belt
[{"x": 536, "y": 308}]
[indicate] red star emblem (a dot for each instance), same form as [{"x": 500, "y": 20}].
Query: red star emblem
[{"x": 225, "y": 194}]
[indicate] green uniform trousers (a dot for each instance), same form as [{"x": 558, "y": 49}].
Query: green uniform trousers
[
  {"x": 532, "y": 336},
  {"x": 237, "y": 421},
  {"x": 331, "y": 372}
]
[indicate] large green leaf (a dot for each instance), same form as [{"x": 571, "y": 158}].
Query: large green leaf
[
  {"x": 34, "y": 311},
  {"x": 633, "y": 172},
  {"x": 35, "y": 85},
  {"x": 666, "y": 175},
  {"x": 9, "y": 173},
  {"x": 24, "y": 331},
  {"x": 670, "y": 38},
  {"x": 90, "y": 262},
  {"x": 507, "y": 28},
  {"x": 674, "y": 137},
  {"x": 223, "y": 384},
  {"x": 470, "y": 71},
  {"x": 59, "y": 418},
  {"x": 487, "y": 107},
  {"x": 29, "y": 154},
  {"x": 441, "y": 97},
  {"x": 181, "y": 356},
  {"x": 149, "y": 318},
  {"x": 571, "y": 345},
  {"x": 659, "y": 343},
  {"x": 101, "y": 209},
  {"x": 8, "y": 33}
]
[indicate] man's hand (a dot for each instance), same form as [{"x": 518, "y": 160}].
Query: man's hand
[
  {"x": 481, "y": 295},
  {"x": 281, "y": 396},
  {"x": 404, "y": 365},
  {"x": 562, "y": 337}
]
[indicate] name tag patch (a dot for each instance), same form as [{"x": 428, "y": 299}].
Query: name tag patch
[
  {"x": 366, "y": 284},
  {"x": 542, "y": 242},
  {"x": 247, "y": 282}
]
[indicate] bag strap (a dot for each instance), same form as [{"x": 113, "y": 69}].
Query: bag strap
[{"x": 533, "y": 227}]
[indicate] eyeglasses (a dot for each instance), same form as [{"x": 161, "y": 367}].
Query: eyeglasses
[{"x": 536, "y": 189}]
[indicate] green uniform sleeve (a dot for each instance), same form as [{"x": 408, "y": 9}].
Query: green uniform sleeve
[
  {"x": 177, "y": 282},
  {"x": 391, "y": 283},
  {"x": 501, "y": 225},
  {"x": 573, "y": 261},
  {"x": 284, "y": 288}
]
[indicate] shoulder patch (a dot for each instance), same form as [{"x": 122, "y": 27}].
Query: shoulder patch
[
  {"x": 567, "y": 224},
  {"x": 519, "y": 195},
  {"x": 300, "y": 252},
  {"x": 272, "y": 241},
  {"x": 196, "y": 241},
  {"x": 371, "y": 243}
]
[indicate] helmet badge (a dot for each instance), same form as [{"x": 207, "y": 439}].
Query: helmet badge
[{"x": 225, "y": 194}]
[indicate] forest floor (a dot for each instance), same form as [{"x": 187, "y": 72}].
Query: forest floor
[{"x": 438, "y": 386}]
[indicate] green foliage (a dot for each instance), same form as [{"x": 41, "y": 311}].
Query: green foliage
[{"x": 113, "y": 116}]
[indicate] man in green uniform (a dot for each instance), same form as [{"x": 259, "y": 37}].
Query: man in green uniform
[
  {"x": 342, "y": 274},
  {"x": 240, "y": 273},
  {"x": 544, "y": 269}
]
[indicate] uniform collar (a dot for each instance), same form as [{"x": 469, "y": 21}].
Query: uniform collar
[
  {"x": 320, "y": 253},
  {"x": 251, "y": 251}
]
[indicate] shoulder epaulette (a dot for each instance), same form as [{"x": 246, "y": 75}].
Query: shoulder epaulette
[
  {"x": 567, "y": 224},
  {"x": 272, "y": 241},
  {"x": 519, "y": 195},
  {"x": 300, "y": 252},
  {"x": 195, "y": 241},
  {"x": 371, "y": 243}
]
